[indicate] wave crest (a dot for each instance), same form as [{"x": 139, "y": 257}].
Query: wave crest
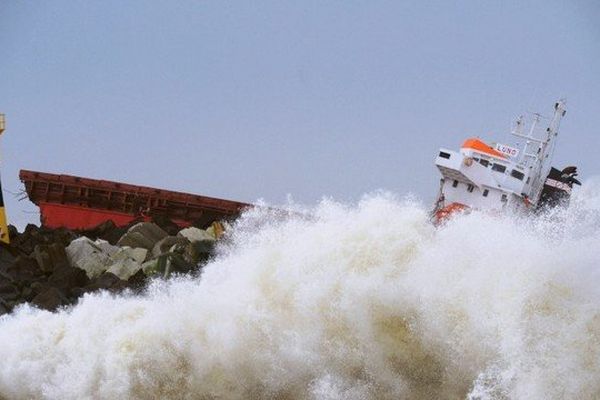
[{"x": 352, "y": 302}]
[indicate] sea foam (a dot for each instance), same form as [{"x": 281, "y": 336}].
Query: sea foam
[{"x": 363, "y": 301}]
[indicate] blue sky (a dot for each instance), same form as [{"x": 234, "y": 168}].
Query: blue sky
[{"x": 249, "y": 100}]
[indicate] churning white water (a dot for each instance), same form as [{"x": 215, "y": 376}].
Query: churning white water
[{"x": 358, "y": 302}]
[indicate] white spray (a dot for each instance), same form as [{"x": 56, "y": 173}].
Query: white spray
[{"x": 358, "y": 302}]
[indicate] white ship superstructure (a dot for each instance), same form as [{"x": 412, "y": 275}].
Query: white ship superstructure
[{"x": 496, "y": 177}]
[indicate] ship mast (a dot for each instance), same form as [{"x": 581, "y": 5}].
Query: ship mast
[{"x": 537, "y": 152}]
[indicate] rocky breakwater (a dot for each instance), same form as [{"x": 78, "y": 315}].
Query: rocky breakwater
[{"x": 54, "y": 268}]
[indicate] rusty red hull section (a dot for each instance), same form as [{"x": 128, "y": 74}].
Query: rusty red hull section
[
  {"x": 74, "y": 217},
  {"x": 83, "y": 203}
]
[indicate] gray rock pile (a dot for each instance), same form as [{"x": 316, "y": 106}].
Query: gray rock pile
[{"x": 53, "y": 268}]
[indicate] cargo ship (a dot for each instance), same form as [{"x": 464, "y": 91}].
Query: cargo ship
[
  {"x": 496, "y": 177},
  {"x": 79, "y": 203}
]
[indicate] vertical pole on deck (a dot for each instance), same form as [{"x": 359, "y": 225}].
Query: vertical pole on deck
[{"x": 4, "y": 237}]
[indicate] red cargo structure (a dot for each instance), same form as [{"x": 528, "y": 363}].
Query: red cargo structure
[{"x": 81, "y": 203}]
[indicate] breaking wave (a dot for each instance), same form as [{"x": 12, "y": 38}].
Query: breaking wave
[{"x": 365, "y": 301}]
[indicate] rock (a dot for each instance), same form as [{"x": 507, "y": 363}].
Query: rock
[
  {"x": 138, "y": 255},
  {"x": 149, "y": 230},
  {"x": 6, "y": 257},
  {"x": 4, "y": 307},
  {"x": 107, "y": 231},
  {"x": 38, "y": 287},
  {"x": 90, "y": 256},
  {"x": 135, "y": 239},
  {"x": 143, "y": 234},
  {"x": 155, "y": 266},
  {"x": 25, "y": 242},
  {"x": 124, "y": 269},
  {"x": 216, "y": 229},
  {"x": 50, "y": 256},
  {"x": 167, "y": 264},
  {"x": 24, "y": 270},
  {"x": 8, "y": 291},
  {"x": 106, "y": 247},
  {"x": 166, "y": 224},
  {"x": 178, "y": 263},
  {"x": 198, "y": 251},
  {"x": 42, "y": 258},
  {"x": 137, "y": 281},
  {"x": 53, "y": 267},
  {"x": 60, "y": 236},
  {"x": 106, "y": 281},
  {"x": 127, "y": 261},
  {"x": 196, "y": 235},
  {"x": 50, "y": 299},
  {"x": 67, "y": 277},
  {"x": 13, "y": 232},
  {"x": 27, "y": 293},
  {"x": 163, "y": 245}
]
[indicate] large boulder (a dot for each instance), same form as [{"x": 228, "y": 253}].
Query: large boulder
[
  {"x": 24, "y": 270},
  {"x": 124, "y": 269},
  {"x": 196, "y": 235},
  {"x": 217, "y": 229},
  {"x": 6, "y": 258},
  {"x": 38, "y": 287},
  {"x": 25, "y": 242},
  {"x": 142, "y": 235},
  {"x": 201, "y": 244},
  {"x": 50, "y": 256},
  {"x": 27, "y": 294},
  {"x": 127, "y": 262},
  {"x": 124, "y": 253},
  {"x": 8, "y": 291},
  {"x": 165, "y": 244},
  {"x": 156, "y": 266},
  {"x": 50, "y": 299},
  {"x": 67, "y": 278},
  {"x": 106, "y": 281},
  {"x": 4, "y": 307},
  {"x": 198, "y": 252},
  {"x": 137, "y": 281},
  {"x": 166, "y": 224},
  {"x": 92, "y": 257},
  {"x": 168, "y": 263},
  {"x": 107, "y": 230}
]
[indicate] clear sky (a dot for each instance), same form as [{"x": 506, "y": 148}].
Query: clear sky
[{"x": 261, "y": 99}]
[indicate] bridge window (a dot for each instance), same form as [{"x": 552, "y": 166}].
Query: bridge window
[
  {"x": 517, "y": 174},
  {"x": 499, "y": 168},
  {"x": 444, "y": 154},
  {"x": 504, "y": 198},
  {"x": 470, "y": 188},
  {"x": 485, "y": 193},
  {"x": 485, "y": 163},
  {"x": 455, "y": 183}
]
